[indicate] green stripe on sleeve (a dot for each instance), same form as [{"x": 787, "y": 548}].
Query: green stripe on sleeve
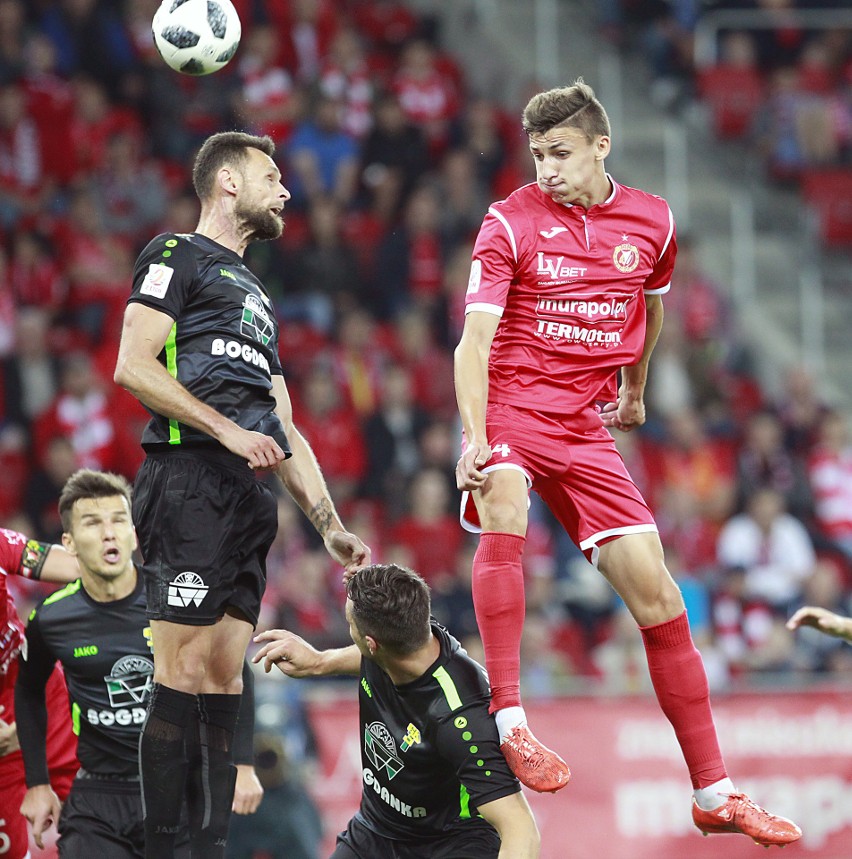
[
  {"x": 171, "y": 366},
  {"x": 75, "y": 719},
  {"x": 450, "y": 691}
]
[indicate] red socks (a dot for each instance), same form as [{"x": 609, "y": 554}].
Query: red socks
[
  {"x": 498, "y": 597},
  {"x": 680, "y": 682}
]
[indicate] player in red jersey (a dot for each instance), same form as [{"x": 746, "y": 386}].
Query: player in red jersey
[
  {"x": 34, "y": 560},
  {"x": 565, "y": 290}
]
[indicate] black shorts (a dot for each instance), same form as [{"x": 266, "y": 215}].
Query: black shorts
[
  {"x": 359, "y": 842},
  {"x": 102, "y": 819},
  {"x": 205, "y": 525}
]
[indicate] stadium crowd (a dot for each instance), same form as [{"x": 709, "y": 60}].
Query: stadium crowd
[{"x": 392, "y": 160}]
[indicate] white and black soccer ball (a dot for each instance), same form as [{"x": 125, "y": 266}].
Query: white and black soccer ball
[{"x": 196, "y": 37}]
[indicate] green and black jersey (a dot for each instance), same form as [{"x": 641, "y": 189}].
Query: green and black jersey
[
  {"x": 223, "y": 346},
  {"x": 105, "y": 649},
  {"x": 429, "y": 749}
]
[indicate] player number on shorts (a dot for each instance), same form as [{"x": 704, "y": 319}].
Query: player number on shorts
[
  {"x": 5, "y": 840},
  {"x": 503, "y": 449}
]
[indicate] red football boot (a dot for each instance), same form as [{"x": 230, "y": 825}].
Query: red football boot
[
  {"x": 740, "y": 814},
  {"x": 533, "y": 763}
]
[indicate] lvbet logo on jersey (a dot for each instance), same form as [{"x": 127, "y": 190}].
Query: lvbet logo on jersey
[{"x": 187, "y": 589}]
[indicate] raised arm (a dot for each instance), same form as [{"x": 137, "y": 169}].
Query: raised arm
[
  {"x": 471, "y": 381},
  {"x": 512, "y": 818},
  {"x": 628, "y": 411},
  {"x": 302, "y": 477},
  {"x": 143, "y": 337},
  {"x": 293, "y": 656}
]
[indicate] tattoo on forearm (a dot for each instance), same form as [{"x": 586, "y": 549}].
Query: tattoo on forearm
[{"x": 321, "y": 516}]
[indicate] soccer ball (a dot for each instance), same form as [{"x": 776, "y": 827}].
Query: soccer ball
[{"x": 196, "y": 37}]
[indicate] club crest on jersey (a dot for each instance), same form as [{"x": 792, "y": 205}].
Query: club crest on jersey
[
  {"x": 381, "y": 749},
  {"x": 187, "y": 588},
  {"x": 256, "y": 322},
  {"x": 130, "y": 681},
  {"x": 626, "y": 257},
  {"x": 411, "y": 738}
]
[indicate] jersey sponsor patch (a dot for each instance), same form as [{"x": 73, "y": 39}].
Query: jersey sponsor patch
[
  {"x": 185, "y": 589},
  {"x": 475, "y": 277},
  {"x": 156, "y": 282}
]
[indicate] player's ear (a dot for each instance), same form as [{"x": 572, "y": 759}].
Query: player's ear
[
  {"x": 602, "y": 147},
  {"x": 372, "y": 644},
  {"x": 228, "y": 180},
  {"x": 68, "y": 544},
  {"x": 135, "y": 541}
]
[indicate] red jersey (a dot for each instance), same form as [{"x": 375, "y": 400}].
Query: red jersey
[{"x": 569, "y": 286}]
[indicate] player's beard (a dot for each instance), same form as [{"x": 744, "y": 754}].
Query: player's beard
[{"x": 258, "y": 225}]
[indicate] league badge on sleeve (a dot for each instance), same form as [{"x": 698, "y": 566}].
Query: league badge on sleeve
[{"x": 157, "y": 280}]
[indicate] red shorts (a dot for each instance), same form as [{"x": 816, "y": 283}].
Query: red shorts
[
  {"x": 573, "y": 464},
  {"x": 61, "y": 761}
]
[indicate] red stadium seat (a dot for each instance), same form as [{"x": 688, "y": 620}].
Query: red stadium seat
[{"x": 829, "y": 193}]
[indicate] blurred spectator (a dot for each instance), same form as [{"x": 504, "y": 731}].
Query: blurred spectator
[
  {"x": 830, "y": 475},
  {"x": 409, "y": 260},
  {"x": 12, "y": 40},
  {"x": 308, "y": 27},
  {"x": 94, "y": 119},
  {"x": 23, "y": 185},
  {"x": 99, "y": 264},
  {"x": 465, "y": 198},
  {"x": 129, "y": 189},
  {"x": 452, "y": 601},
  {"x": 801, "y": 410},
  {"x": 480, "y": 133},
  {"x": 323, "y": 159},
  {"x": 49, "y": 102},
  {"x": 30, "y": 375},
  {"x": 332, "y": 430},
  {"x": 35, "y": 276},
  {"x": 430, "y": 528},
  {"x": 772, "y": 548},
  {"x": 90, "y": 37},
  {"x": 359, "y": 358},
  {"x": 764, "y": 462},
  {"x": 267, "y": 101},
  {"x": 393, "y": 157},
  {"x": 430, "y": 365},
  {"x": 734, "y": 87},
  {"x": 323, "y": 277},
  {"x": 428, "y": 95},
  {"x": 345, "y": 77},
  {"x": 305, "y": 605},
  {"x": 82, "y": 413},
  {"x": 392, "y": 433},
  {"x": 57, "y": 463},
  {"x": 387, "y": 24},
  {"x": 287, "y": 825}
]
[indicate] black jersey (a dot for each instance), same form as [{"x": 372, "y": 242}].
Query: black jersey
[
  {"x": 105, "y": 649},
  {"x": 223, "y": 346},
  {"x": 430, "y": 751}
]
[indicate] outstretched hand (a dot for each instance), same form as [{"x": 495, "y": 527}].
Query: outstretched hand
[
  {"x": 822, "y": 619},
  {"x": 288, "y": 652}
]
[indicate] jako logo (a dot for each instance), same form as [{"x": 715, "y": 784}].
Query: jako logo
[{"x": 187, "y": 588}]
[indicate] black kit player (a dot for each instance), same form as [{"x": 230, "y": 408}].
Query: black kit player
[
  {"x": 97, "y": 629},
  {"x": 199, "y": 349},
  {"x": 436, "y": 785}
]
